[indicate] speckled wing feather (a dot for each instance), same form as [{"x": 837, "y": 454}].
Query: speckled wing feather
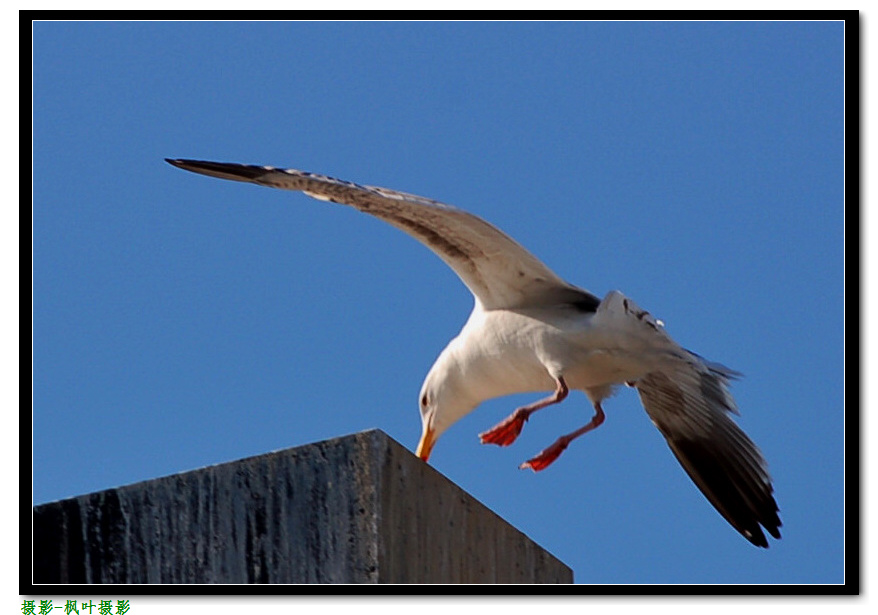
[
  {"x": 690, "y": 405},
  {"x": 497, "y": 270}
]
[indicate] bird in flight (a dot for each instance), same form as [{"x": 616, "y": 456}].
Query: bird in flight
[{"x": 531, "y": 331}]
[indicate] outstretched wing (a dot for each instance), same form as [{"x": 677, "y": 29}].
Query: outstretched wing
[
  {"x": 690, "y": 404},
  {"x": 498, "y": 271}
]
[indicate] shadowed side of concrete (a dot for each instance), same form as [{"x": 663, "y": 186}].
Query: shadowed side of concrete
[
  {"x": 301, "y": 515},
  {"x": 356, "y": 509}
]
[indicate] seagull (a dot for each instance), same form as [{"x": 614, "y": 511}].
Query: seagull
[{"x": 530, "y": 331}]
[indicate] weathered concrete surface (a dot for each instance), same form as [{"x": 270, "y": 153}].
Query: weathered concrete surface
[{"x": 355, "y": 509}]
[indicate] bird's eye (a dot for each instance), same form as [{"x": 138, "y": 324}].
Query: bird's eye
[{"x": 424, "y": 400}]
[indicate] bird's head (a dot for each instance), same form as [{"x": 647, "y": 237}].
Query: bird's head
[{"x": 443, "y": 402}]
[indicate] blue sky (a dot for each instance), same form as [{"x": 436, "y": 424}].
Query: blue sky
[{"x": 182, "y": 321}]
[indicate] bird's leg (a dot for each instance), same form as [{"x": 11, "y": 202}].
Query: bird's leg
[
  {"x": 505, "y": 432},
  {"x": 547, "y": 456}
]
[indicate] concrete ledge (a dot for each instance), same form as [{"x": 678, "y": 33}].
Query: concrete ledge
[{"x": 355, "y": 509}]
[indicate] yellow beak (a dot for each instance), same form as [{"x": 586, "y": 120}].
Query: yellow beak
[{"x": 425, "y": 446}]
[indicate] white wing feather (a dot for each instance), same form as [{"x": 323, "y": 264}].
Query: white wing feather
[{"x": 498, "y": 271}]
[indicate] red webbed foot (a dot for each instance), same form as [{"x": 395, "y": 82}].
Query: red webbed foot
[
  {"x": 546, "y": 457},
  {"x": 505, "y": 432}
]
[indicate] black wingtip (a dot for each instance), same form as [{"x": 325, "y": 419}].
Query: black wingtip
[
  {"x": 223, "y": 170},
  {"x": 770, "y": 522},
  {"x": 185, "y": 163},
  {"x": 743, "y": 498}
]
